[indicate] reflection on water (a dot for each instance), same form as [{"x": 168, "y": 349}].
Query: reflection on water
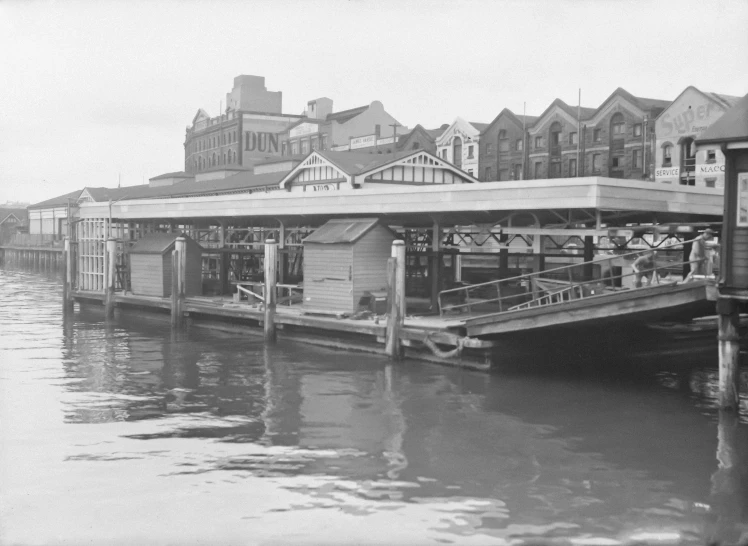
[{"x": 127, "y": 432}]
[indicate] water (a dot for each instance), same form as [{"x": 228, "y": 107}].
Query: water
[{"x": 127, "y": 433}]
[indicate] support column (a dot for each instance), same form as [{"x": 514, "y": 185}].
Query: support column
[
  {"x": 436, "y": 266},
  {"x": 729, "y": 354},
  {"x": 282, "y": 255},
  {"x": 178, "y": 271},
  {"x": 271, "y": 260},
  {"x": 110, "y": 277},
  {"x": 67, "y": 276},
  {"x": 396, "y": 300},
  {"x": 589, "y": 255},
  {"x": 539, "y": 253},
  {"x": 503, "y": 257}
]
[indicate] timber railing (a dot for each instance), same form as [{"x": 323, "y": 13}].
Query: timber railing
[
  {"x": 35, "y": 240},
  {"x": 256, "y": 290},
  {"x": 553, "y": 286}
]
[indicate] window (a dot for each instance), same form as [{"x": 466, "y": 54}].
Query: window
[
  {"x": 503, "y": 141},
  {"x": 284, "y": 148},
  {"x": 617, "y": 126},
  {"x": 538, "y": 142},
  {"x": 294, "y": 148},
  {"x": 637, "y": 129},
  {"x": 304, "y": 147},
  {"x": 517, "y": 172},
  {"x": 555, "y": 138},
  {"x": 323, "y": 142},
  {"x": 616, "y": 162},
  {"x": 572, "y": 167},
  {"x": 223, "y": 139},
  {"x": 457, "y": 152},
  {"x": 314, "y": 143},
  {"x": 667, "y": 155},
  {"x": 711, "y": 156},
  {"x": 224, "y": 158},
  {"x": 555, "y": 169},
  {"x": 710, "y": 182},
  {"x": 742, "y": 199},
  {"x": 519, "y": 145},
  {"x": 503, "y": 174},
  {"x": 538, "y": 168},
  {"x": 416, "y": 145},
  {"x": 470, "y": 172},
  {"x": 470, "y": 152},
  {"x": 637, "y": 159},
  {"x": 489, "y": 148},
  {"x": 487, "y": 176},
  {"x": 597, "y": 135},
  {"x": 573, "y": 138},
  {"x": 595, "y": 163},
  {"x": 444, "y": 153}
]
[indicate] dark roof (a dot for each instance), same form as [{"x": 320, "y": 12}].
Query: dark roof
[
  {"x": 518, "y": 120},
  {"x": 654, "y": 106},
  {"x": 57, "y": 201},
  {"x": 21, "y": 214},
  {"x": 732, "y": 126},
  {"x": 584, "y": 111},
  {"x": 345, "y": 115},
  {"x": 430, "y": 134},
  {"x": 179, "y": 174},
  {"x": 282, "y": 159},
  {"x": 480, "y": 126},
  {"x": 358, "y": 162},
  {"x": 158, "y": 243},
  {"x": 342, "y": 231}
]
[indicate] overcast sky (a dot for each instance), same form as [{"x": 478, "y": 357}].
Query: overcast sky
[{"x": 94, "y": 91}]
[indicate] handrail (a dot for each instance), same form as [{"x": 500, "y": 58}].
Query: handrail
[{"x": 531, "y": 277}]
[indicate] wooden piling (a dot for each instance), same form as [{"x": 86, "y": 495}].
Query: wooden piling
[
  {"x": 396, "y": 299},
  {"x": 729, "y": 354},
  {"x": 271, "y": 261},
  {"x": 67, "y": 275},
  {"x": 110, "y": 277},
  {"x": 436, "y": 266},
  {"x": 178, "y": 272}
]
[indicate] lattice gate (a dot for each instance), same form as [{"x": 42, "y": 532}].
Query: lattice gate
[{"x": 91, "y": 248}]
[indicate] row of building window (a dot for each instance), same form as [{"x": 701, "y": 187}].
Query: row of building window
[
  {"x": 228, "y": 158},
  {"x": 303, "y": 146},
  {"x": 214, "y": 142}
]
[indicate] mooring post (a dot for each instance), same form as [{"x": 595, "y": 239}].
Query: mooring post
[
  {"x": 271, "y": 262},
  {"x": 111, "y": 268},
  {"x": 436, "y": 266},
  {"x": 396, "y": 293},
  {"x": 729, "y": 354},
  {"x": 589, "y": 256},
  {"x": 180, "y": 246},
  {"x": 67, "y": 292}
]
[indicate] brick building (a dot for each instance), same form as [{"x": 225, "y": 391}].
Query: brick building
[
  {"x": 503, "y": 147},
  {"x": 618, "y": 138},
  {"x": 420, "y": 138},
  {"x": 553, "y": 141},
  {"x": 247, "y": 132}
]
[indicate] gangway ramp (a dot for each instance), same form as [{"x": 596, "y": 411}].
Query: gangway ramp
[
  {"x": 572, "y": 294},
  {"x": 647, "y": 303}
]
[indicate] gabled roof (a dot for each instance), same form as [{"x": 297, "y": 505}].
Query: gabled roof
[
  {"x": 19, "y": 214},
  {"x": 584, "y": 111},
  {"x": 60, "y": 200},
  {"x": 342, "y": 231},
  {"x": 480, "y": 126},
  {"x": 517, "y": 120},
  {"x": 731, "y": 127},
  {"x": 647, "y": 105},
  {"x": 356, "y": 162},
  {"x": 156, "y": 243},
  {"x": 466, "y": 126},
  {"x": 346, "y": 115},
  {"x": 430, "y": 134},
  {"x": 200, "y": 114},
  {"x": 725, "y": 101}
]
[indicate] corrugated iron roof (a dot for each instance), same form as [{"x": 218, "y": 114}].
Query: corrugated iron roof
[
  {"x": 345, "y": 115},
  {"x": 57, "y": 201},
  {"x": 732, "y": 126},
  {"x": 358, "y": 162},
  {"x": 342, "y": 231},
  {"x": 178, "y": 174}
]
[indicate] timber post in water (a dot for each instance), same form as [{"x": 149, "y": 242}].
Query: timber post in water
[
  {"x": 68, "y": 282},
  {"x": 396, "y": 296},
  {"x": 178, "y": 270},
  {"x": 729, "y": 354},
  {"x": 110, "y": 277},
  {"x": 271, "y": 260}
]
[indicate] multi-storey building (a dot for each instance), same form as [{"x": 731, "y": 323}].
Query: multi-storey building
[
  {"x": 503, "y": 146},
  {"x": 365, "y": 128},
  {"x": 246, "y": 133},
  {"x": 554, "y": 147},
  {"x": 459, "y": 143},
  {"x": 619, "y": 138},
  {"x": 676, "y": 159}
]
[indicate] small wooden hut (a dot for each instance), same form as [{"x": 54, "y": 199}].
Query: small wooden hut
[
  {"x": 343, "y": 260},
  {"x": 730, "y": 135},
  {"x": 150, "y": 265}
]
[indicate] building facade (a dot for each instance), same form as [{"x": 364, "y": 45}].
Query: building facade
[
  {"x": 365, "y": 128},
  {"x": 677, "y": 160},
  {"x": 459, "y": 144},
  {"x": 247, "y": 132},
  {"x": 420, "y": 139},
  {"x": 503, "y": 147}
]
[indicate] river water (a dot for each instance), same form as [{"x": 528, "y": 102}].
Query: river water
[{"x": 123, "y": 432}]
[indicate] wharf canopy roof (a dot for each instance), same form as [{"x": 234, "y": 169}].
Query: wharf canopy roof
[
  {"x": 342, "y": 231},
  {"x": 731, "y": 127},
  {"x": 415, "y": 167},
  {"x": 157, "y": 243}
]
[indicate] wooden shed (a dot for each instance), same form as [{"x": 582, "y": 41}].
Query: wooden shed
[
  {"x": 343, "y": 260},
  {"x": 150, "y": 265},
  {"x": 730, "y": 134}
]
